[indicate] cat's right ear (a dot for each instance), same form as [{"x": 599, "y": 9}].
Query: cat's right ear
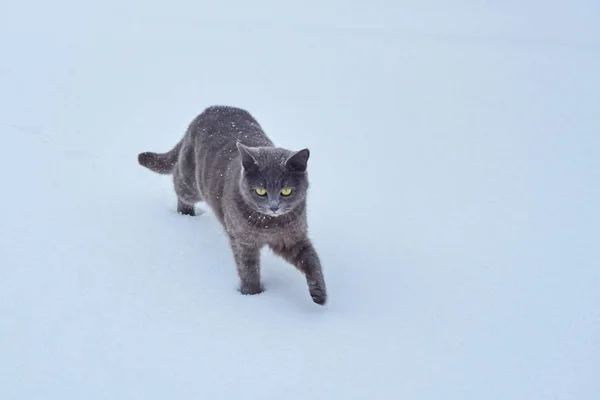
[
  {"x": 248, "y": 160},
  {"x": 297, "y": 161}
]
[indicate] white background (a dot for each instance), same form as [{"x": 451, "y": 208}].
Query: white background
[{"x": 455, "y": 175}]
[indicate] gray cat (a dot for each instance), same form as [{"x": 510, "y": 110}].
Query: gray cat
[{"x": 257, "y": 191}]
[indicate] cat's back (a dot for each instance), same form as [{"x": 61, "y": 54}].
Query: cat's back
[
  {"x": 213, "y": 135},
  {"x": 220, "y": 127}
]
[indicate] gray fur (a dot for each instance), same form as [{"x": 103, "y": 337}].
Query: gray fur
[{"x": 223, "y": 157}]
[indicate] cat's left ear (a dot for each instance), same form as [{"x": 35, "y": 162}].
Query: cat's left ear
[
  {"x": 249, "y": 162},
  {"x": 298, "y": 161}
]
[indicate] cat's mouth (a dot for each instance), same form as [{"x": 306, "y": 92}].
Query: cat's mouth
[{"x": 276, "y": 213}]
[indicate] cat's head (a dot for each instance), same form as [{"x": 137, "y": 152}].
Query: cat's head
[{"x": 274, "y": 180}]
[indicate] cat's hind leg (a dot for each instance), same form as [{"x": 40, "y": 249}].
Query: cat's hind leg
[
  {"x": 185, "y": 209},
  {"x": 187, "y": 193}
]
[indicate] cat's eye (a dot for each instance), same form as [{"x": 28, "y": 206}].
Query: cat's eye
[
  {"x": 286, "y": 191},
  {"x": 261, "y": 191}
]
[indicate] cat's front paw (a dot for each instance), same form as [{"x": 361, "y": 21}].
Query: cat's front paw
[
  {"x": 251, "y": 289},
  {"x": 318, "y": 294}
]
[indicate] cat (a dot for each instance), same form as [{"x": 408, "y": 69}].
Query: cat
[{"x": 256, "y": 190}]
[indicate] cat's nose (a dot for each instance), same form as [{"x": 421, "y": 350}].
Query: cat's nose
[{"x": 274, "y": 207}]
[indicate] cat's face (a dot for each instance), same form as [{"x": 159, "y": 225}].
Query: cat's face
[{"x": 274, "y": 180}]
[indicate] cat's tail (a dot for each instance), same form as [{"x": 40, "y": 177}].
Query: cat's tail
[{"x": 162, "y": 163}]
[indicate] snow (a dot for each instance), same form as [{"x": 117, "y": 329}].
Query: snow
[{"x": 455, "y": 166}]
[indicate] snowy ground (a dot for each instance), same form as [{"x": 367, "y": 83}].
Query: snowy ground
[{"x": 455, "y": 190}]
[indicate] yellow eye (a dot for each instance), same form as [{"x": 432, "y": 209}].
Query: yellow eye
[
  {"x": 286, "y": 191},
  {"x": 261, "y": 191}
]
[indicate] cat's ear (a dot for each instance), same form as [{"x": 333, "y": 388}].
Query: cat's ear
[
  {"x": 298, "y": 161},
  {"x": 248, "y": 159}
]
